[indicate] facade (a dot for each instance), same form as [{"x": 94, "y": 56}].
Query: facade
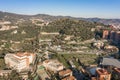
[
  {"x": 19, "y": 61},
  {"x": 103, "y": 74},
  {"x": 5, "y": 72},
  {"x": 42, "y": 73},
  {"x": 116, "y": 73},
  {"x": 117, "y": 37},
  {"x": 91, "y": 71},
  {"x": 69, "y": 78},
  {"x": 98, "y": 44},
  {"x": 66, "y": 75},
  {"x": 72, "y": 64},
  {"x": 105, "y": 34},
  {"x": 111, "y": 48},
  {"x": 53, "y": 65},
  {"x": 112, "y": 35}
]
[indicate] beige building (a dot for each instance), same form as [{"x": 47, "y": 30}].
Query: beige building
[
  {"x": 53, "y": 65},
  {"x": 103, "y": 74},
  {"x": 5, "y": 72},
  {"x": 116, "y": 73},
  {"x": 19, "y": 61},
  {"x": 105, "y": 34},
  {"x": 66, "y": 75},
  {"x": 98, "y": 44},
  {"x": 117, "y": 37}
]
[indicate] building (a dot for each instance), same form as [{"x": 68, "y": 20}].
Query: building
[
  {"x": 116, "y": 73},
  {"x": 20, "y": 61},
  {"x": 98, "y": 44},
  {"x": 117, "y": 37},
  {"x": 103, "y": 74},
  {"x": 105, "y": 34},
  {"x": 111, "y": 48},
  {"x": 53, "y": 65},
  {"x": 5, "y": 72},
  {"x": 69, "y": 78},
  {"x": 91, "y": 71},
  {"x": 66, "y": 75},
  {"x": 112, "y": 35},
  {"x": 72, "y": 64},
  {"x": 110, "y": 62},
  {"x": 48, "y": 54},
  {"x": 5, "y": 22},
  {"x": 42, "y": 73}
]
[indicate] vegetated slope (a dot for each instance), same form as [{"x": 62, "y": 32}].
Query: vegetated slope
[
  {"x": 77, "y": 28},
  {"x": 14, "y": 17}
]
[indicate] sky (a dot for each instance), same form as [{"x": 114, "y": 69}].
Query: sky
[{"x": 75, "y": 8}]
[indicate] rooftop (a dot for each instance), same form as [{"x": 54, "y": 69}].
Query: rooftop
[
  {"x": 63, "y": 72},
  {"x": 21, "y": 54},
  {"x": 111, "y": 62},
  {"x": 117, "y": 69},
  {"x": 102, "y": 71},
  {"x": 54, "y": 63},
  {"x": 69, "y": 78},
  {"x": 42, "y": 73}
]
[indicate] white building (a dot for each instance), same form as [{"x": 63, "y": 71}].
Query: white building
[
  {"x": 19, "y": 61},
  {"x": 98, "y": 44},
  {"x": 53, "y": 65},
  {"x": 5, "y": 72}
]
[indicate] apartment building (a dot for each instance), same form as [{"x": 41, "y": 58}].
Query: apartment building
[
  {"x": 5, "y": 72},
  {"x": 53, "y": 65},
  {"x": 69, "y": 78},
  {"x": 103, "y": 74},
  {"x": 113, "y": 35},
  {"x": 117, "y": 37},
  {"x": 66, "y": 75},
  {"x": 19, "y": 61},
  {"x": 116, "y": 73},
  {"x": 105, "y": 34}
]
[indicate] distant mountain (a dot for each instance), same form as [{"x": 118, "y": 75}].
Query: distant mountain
[
  {"x": 14, "y": 17},
  {"x": 105, "y": 21}
]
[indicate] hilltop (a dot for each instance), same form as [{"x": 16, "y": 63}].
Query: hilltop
[{"x": 14, "y": 17}]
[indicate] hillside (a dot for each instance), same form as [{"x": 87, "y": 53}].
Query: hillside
[
  {"x": 14, "y": 17},
  {"x": 26, "y": 36}
]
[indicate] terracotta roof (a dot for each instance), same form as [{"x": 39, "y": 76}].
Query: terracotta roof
[
  {"x": 117, "y": 69},
  {"x": 63, "y": 72},
  {"x": 20, "y": 54},
  {"x": 69, "y": 78},
  {"x": 46, "y": 61},
  {"x": 102, "y": 71}
]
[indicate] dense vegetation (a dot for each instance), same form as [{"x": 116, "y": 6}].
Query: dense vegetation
[
  {"x": 77, "y": 28},
  {"x": 27, "y": 32},
  {"x": 13, "y": 76},
  {"x": 23, "y": 32}
]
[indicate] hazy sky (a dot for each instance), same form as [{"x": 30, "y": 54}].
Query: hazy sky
[{"x": 76, "y": 8}]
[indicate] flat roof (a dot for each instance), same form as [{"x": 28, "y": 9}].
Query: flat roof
[
  {"x": 63, "y": 72},
  {"x": 111, "y": 62}
]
